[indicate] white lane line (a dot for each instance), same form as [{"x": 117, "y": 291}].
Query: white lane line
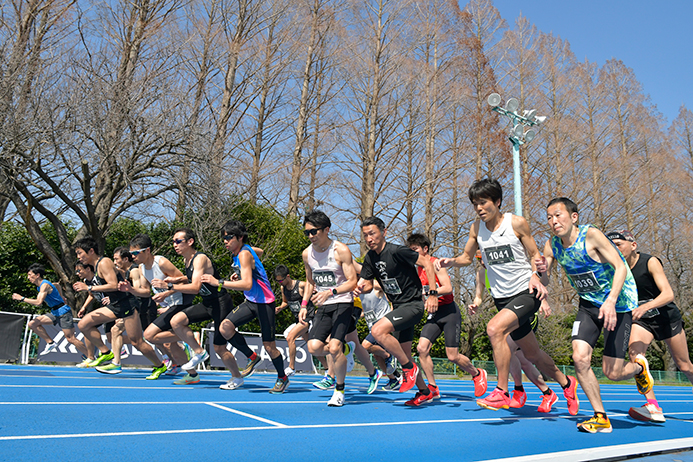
[
  {"x": 138, "y": 403},
  {"x": 275, "y": 426},
  {"x": 245, "y": 414},
  {"x": 605, "y": 452},
  {"x": 285, "y": 427},
  {"x": 97, "y": 387}
]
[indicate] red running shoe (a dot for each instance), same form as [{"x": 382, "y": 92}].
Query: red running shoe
[
  {"x": 547, "y": 401},
  {"x": 434, "y": 391},
  {"x": 496, "y": 400},
  {"x": 420, "y": 399},
  {"x": 571, "y": 396},
  {"x": 409, "y": 378},
  {"x": 519, "y": 399},
  {"x": 480, "y": 383}
]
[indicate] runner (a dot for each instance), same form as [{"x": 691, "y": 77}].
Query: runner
[
  {"x": 447, "y": 319},
  {"x": 394, "y": 267},
  {"x": 292, "y": 296},
  {"x": 251, "y": 278},
  {"x": 215, "y": 305},
  {"x": 131, "y": 271},
  {"x": 656, "y": 318},
  {"x": 608, "y": 294},
  {"x": 121, "y": 306},
  {"x": 507, "y": 245},
  {"x": 331, "y": 275},
  {"x": 154, "y": 269},
  {"x": 518, "y": 363},
  {"x": 375, "y": 307},
  {"x": 60, "y": 313}
]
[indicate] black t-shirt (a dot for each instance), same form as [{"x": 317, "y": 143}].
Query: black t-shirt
[{"x": 395, "y": 270}]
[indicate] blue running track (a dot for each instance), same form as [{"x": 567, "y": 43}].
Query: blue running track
[{"x": 70, "y": 414}]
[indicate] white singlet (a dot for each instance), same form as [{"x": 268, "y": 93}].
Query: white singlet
[
  {"x": 507, "y": 265},
  {"x": 155, "y": 273},
  {"x": 327, "y": 273}
]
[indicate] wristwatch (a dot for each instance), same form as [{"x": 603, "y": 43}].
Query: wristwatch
[
  {"x": 334, "y": 291},
  {"x": 170, "y": 286},
  {"x": 433, "y": 292}
]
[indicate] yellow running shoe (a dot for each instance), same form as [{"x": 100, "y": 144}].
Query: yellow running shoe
[
  {"x": 597, "y": 424},
  {"x": 643, "y": 380}
]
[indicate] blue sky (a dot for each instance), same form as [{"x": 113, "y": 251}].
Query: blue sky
[{"x": 653, "y": 38}]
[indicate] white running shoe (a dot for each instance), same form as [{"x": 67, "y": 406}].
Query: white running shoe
[
  {"x": 50, "y": 347},
  {"x": 289, "y": 372},
  {"x": 337, "y": 399},
  {"x": 195, "y": 360},
  {"x": 647, "y": 413},
  {"x": 86, "y": 363},
  {"x": 232, "y": 384},
  {"x": 350, "y": 356},
  {"x": 124, "y": 352}
]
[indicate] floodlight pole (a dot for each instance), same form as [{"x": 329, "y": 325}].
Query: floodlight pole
[
  {"x": 517, "y": 137},
  {"x": 517, "y": 180}
]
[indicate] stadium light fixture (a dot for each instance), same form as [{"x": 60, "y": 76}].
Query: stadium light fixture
[{"x": 518, "y": 136}]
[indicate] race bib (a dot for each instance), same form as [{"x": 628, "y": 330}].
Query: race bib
[
  {"x": 651, "y": 313},
  {"x": 499, "y": 254},
  {"x": 324, "y": 278},
  {"x": 370, "y": 317},
  {"x": 295, "y": 307},
  {"x": 204, "y": 291},
  {"x": 585, "y": 283},
  {"x": 391, "y": 287}
]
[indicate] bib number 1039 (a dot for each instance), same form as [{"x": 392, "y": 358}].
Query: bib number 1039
[{"x": 585, "y": 283}]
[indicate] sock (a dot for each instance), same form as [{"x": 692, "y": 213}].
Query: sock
[
  {"x": 567, "y": 384},
  {"x": 653, "y": 401},
  {"x": 435, "y": 387},
  {"x": 340, "y": 387},
  {"x": 425, "y": 391},
  {"x": 546, "y": 392},
  {"x": 279, "y": 366},
  {"x": 409, "y": 365},
  {"x": 519, "y": 388},
  {"x": 239, "y": 343},
  {"x": 192, "y": 373},
  {"x": 346, "y": 349},
  {"x": 602, "y": 414},
  {"x": 373, "y": 374},
  {"x": 477, "y": 373},
  {"x": 396, "y": 373},
  {"x": 504, "y": 392}
]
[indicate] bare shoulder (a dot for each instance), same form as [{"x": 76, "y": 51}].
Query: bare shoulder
[
  {"x": 342, "y": 252},
  {"x": 520, "y": 224}
]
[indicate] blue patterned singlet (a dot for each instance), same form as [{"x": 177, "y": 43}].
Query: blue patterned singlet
[{"x": 592, "y": 280}]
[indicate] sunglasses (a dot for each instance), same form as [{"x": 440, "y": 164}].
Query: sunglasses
[
  {"x": 176, "y": 241},
  {"x": 228, "y": 237},
  {"x": 311, "y": 232},
  {"x": 135, "y": 253},
  {"x": 281, "y": 280}
]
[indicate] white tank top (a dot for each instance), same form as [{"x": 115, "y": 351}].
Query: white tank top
[
  {"x": 507, "y": 265},
  {"x": 328, "y": 274},
  {"x": 155, "y": 273}
]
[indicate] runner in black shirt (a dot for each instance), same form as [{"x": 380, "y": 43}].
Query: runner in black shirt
[
  {"x": 656, "y": 318},
  {"x": 394, "y": 266}
]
